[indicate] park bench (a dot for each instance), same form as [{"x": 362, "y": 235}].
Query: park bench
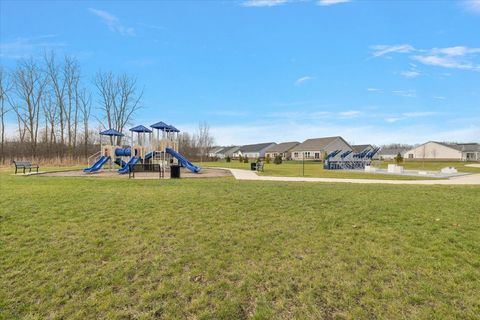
[{"x": 24, "y": 165}]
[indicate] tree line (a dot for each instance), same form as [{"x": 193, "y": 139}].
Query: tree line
[{"x": 54, "y": 106}]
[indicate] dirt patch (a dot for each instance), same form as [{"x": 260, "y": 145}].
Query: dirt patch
[{"x": 205, "y": 173}]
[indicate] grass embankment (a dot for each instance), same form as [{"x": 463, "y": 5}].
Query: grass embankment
[
  {"x": 310, "y": 169},
  {"x": 87, "y": 248}
]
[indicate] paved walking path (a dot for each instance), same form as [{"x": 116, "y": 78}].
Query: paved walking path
[
  {"x": 239, "y": 174},
  {"x": 474, "y": 165}
]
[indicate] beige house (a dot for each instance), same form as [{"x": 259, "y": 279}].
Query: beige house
[
  {"x": 434, "y": 150},
  {"x": 319, "y": 148},
  {"x": 282, "y": 149}
]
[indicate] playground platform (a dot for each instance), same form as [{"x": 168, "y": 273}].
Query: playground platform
[{"x": 206, "y": 173}]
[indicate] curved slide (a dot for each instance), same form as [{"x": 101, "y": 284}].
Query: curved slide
[
  {"x": 183, "y": 161},
  {"x": 126, "y": 167},
  {"x": 97, "y": 165}
]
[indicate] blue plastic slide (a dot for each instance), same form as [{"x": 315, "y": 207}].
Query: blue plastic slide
[
  {"x": 126, "y": 168},
  {"x": 97, "y": 165},
  {"x": 183, "y": 161}
]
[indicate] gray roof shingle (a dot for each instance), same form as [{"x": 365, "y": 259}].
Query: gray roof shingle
[
  {"x": 255, "y": 147},
  {"x": 315, "y": 144},
  {"x": 283, "y": 147}
]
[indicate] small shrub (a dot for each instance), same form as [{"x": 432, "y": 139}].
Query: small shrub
[
  {"x": 267, "y": 159},
  {"x": 240, "y": 158},
  {"x": 228, "y": 159},
  {"x": 245, "y": 160},
  {"x": 278, "y": 159},
  {"x": 398, "y": 159}
]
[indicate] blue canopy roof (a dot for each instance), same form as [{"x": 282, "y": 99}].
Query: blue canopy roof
[
  {"x": 112, "y": 133},
  {"x": 140, "y": 128},
  {"x": 171, "y": 129},
  {"x": 160, "y": 125}
]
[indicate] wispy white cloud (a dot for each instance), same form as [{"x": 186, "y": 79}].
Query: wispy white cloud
[
  {"x": 472, "y": 5},
  {"x": 303, "y": 79},
  {"x": 112, "y": 22},
  {"x": 24, "y": 47},
  {"x": 393, "y": 119},
  {"x": 410, "y": 73},
  {"x": 446, "y": 62},
  {"x": 419, "y": 114},
  {"x": 263, "y": 3},
  {"x": 381, "y": 49},
  {"x": 331, "y": 2},
  {"x": 439, "y": 97},
  {"x": 456, "y": 51},
  {"x": 280, "y": 131},
  {"x": 350, "y": 114},
  {"x": 405, "y": 93},
  {"x": 374, "y": 90},
  {"x": 457, "y": 57}
]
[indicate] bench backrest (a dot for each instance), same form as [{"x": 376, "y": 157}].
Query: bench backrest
[{"x": 22, "y": 163}]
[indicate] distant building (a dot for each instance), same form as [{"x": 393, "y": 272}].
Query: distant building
[
  {"x": 227, "y": 152},
  {"x": 283, "y": 149},
  {"x": 317, "y": 149},
  {"x": 253, "y": 151},
  {"x": 361, "y": 147},
  {"x": 215, "y": 152},
  {"x": 434, "y": 150},
  {"x": 389, "y": 153}
]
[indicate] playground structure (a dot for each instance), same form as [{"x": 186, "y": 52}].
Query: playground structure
[
  {"x": 349, "y": 160},
  {"x": 146, "y": 151}
]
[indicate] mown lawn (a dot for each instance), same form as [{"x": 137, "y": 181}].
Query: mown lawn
[
  {"x": 310, "y": 169},
  {"x": 88, "y": 248}
]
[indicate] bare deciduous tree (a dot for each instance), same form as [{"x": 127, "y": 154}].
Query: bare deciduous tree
[
  {"x": 29, "y": 84},
  {"x": 119, "y": 99},
  {"x": 85, "y": 106},
  {"x": 71, "y": 76},
  {"x": 58, "y": 86},
  {"x": 205, "y": 140},
  {"x": 5, "y": 87}
]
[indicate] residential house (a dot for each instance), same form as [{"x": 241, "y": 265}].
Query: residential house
[
  {"x": 389, "y": 153},
  {"x": 254, "y": 151},
  {"x": 319, "y": 148},
  {"x": 228, "y": 152},
  {"x": 282, "y": 149},
  {"x": 215, "y": 152},
  {"x": 434, "y": 150}
]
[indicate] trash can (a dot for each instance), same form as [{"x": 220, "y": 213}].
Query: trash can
[
  {"x": 175, "y": 172},
  {"x": 253, "y": 166}
]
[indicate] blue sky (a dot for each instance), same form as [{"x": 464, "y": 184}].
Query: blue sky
[{"x": 275, "y": 70}]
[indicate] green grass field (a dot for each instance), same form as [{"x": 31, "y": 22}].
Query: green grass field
[
  {"x": 88, "y": 248},
  {"x": 315, "y": 169}
]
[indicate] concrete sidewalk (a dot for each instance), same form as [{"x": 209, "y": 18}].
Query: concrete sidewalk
[{"x": 473, "y": 179}]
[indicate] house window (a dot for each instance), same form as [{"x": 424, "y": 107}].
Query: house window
[
  {"x": 410, "y": 156},
  {"x": 296, "y": 154},
  {"x": 317, "y": 155}
]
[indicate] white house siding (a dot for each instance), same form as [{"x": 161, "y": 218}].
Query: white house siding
[
  {"x": 251, "y": 155},
  {"x": 433, "y": 150},
  {"x": 272, "y": 155}
]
